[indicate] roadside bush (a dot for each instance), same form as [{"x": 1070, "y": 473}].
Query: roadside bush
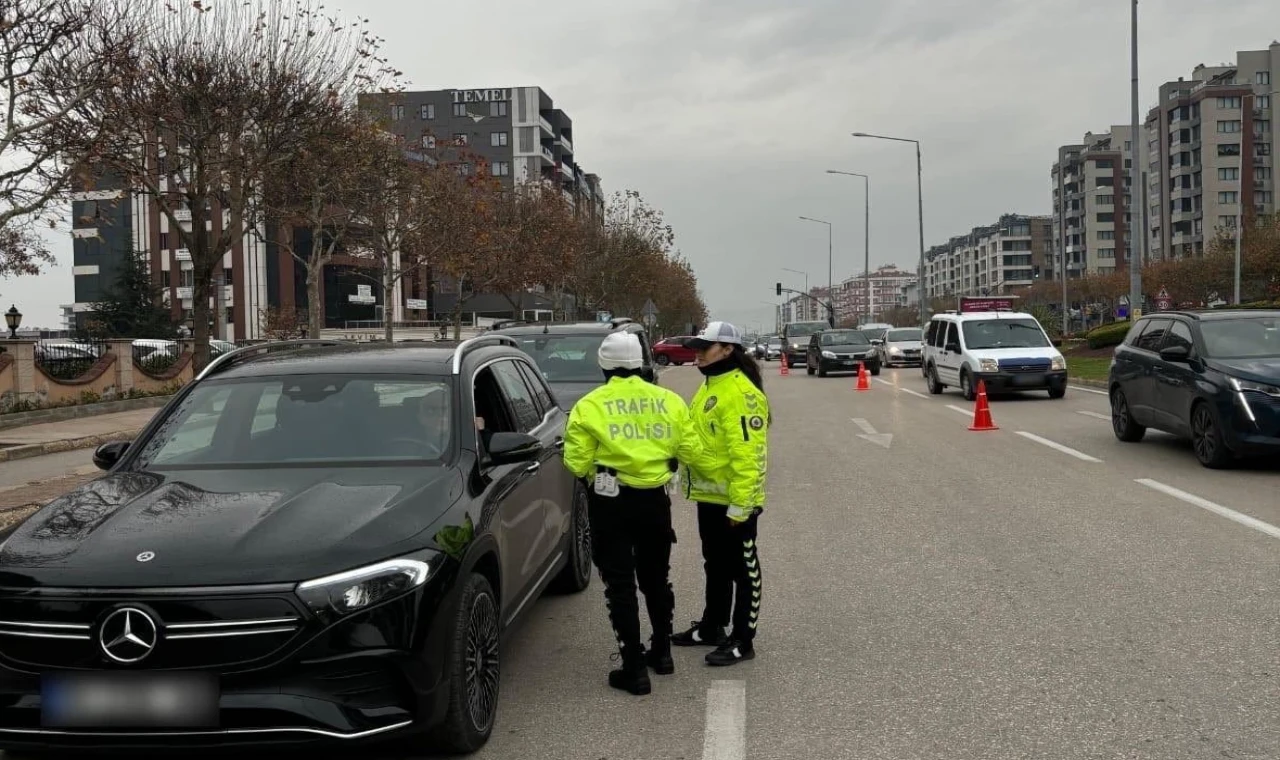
[{"x": 1108, "y": 335}]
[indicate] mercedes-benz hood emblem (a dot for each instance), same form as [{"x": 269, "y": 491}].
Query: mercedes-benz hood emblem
[{"x": 128, "y": 635}]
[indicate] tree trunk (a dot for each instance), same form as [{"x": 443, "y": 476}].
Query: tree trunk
[
  {"x": 457, "y": 312},
  {"x": 315, "y": 309},
  {"x": 388, "y": 305},
  {"x": 200, "y": 294}
]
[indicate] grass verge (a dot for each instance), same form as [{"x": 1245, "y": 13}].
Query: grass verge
[{"x": 1088, "y": 367}]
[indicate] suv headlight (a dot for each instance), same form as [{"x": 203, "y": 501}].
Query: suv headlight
[
  {"x": 1057, "y": 363},
  {"x": 828, "y": 354},
  {"x": 988, "y": 365},
  {"x": 354, "y": 590},
  {"x": 1249, "y": 385}
]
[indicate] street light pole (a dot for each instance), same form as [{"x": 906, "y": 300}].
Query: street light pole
[
  {"x": 1137, "y": 230},
  {"x": 831, "y": 311},
  {"x": 866, "y": 231},
  {"x": 924, "y": 307}
]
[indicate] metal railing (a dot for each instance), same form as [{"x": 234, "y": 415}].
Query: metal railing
[{"x": 68, "y": 359}]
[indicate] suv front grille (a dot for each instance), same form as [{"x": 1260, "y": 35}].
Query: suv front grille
[
  {"x": 213, "y": 633},
  {"x": 1024, "y": 365}
]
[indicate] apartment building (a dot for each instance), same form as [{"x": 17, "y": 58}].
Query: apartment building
[
  {"x": 1092, "y": 213},
  {"x": 805, "y": 309},
  {"x": 1210, "y": 141},
  {"x": 855, "y": 304},
  {"x": 989, "y": 260}
]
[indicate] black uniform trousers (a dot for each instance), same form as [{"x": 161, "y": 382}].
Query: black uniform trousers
[
  {"x": 732, "y": 566},
  {"x": 631, "y": 538}
]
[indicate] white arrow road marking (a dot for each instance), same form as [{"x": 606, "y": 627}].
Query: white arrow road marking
[
  {"x": 1217, "y": 509},
  {"x": 725, "y": 735},
  {"x": 1095, "y": 415},
  {"x": 1058, "y": 447},
  {"x": 869, "y": 433}
]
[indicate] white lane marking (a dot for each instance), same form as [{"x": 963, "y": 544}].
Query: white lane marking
[
  {"x": 1217, "y": 509},
  {"x": 954, "y": 408},
  {"x": 917, "y": 394},
  {"x": 725, "y": 735},
  {"x": 884, "y": 440},
  {"x": 1058, "y": 447},
  {"x": 882, "y": 380},
  {"x": 1089, "y": 390},
  {"x": 1095, "y": 415}
]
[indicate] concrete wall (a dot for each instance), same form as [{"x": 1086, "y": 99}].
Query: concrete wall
[{"x": 114, "y": 376}]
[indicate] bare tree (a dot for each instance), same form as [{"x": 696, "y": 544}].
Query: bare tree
[
  {"x": 316, "y": 190},
  {"x": 54, "y": 55},
  {"x": 534, "y": 242},
  {"x": 221, "y": 95}
]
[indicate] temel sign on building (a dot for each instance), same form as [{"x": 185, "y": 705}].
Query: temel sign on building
[
  {"x": 480, "y": 96},
  {"x": 971, "y": 303}
]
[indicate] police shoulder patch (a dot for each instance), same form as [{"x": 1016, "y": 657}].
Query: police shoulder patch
[
  {"x": 756, "y": 422},
  {"x": 711, "y": 404}
]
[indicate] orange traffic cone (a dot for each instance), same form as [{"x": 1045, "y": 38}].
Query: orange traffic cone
[
  {"x": 784, "y": 369},
  {"x": 982, "y": 411},
  {"x": 864, "y": 379}
]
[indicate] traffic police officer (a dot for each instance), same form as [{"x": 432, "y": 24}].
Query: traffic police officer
[
  {"x": 625, "y": 438},
  {"x": 731, "y": 414}
]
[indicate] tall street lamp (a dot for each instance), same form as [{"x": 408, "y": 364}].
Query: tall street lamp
[
  {"x": 13, "y": 318},
  {"x": 866, "y": 229},
  {"x": 924, "y": 308},
  {"x": 797, "y": 271},
  {"x": 1137, "y": 230},
  {"x": 831, "y": 312}
]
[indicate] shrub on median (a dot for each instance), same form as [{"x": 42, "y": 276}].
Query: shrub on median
[{"x": 1108, "y": 335}]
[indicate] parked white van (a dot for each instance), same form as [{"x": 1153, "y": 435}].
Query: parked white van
[{"x": 1007, "y": 350}]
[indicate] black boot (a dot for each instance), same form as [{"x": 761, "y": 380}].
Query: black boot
[
  {"x": 659, "y": 655},
  {"x": 696, "y": 636},
  {"x": 633, "y": 676}
]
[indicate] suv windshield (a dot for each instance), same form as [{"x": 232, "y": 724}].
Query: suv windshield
[
  {"x": 805, "y": 329},
  {"x": 1247, "y": 338},
  {"x": 844, "y": 338},
  {"x": 1004, "y": 333},
  {"x": 903, "y": 335},
  {"x": 564, "y": 358},
  {"x": 305, "y": 419}
]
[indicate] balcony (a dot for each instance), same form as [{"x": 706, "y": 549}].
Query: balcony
[
  {"x": 182, "y": 254},
  {"x": 547, "y": 155},
  {"x": 566, "y": 171},
  {"x": 182, "y": 214},
  {"x": 546, "y": 126},
  {"x": 565, "y": 143}
]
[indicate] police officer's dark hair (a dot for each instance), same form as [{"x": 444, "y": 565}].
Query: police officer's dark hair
[{"x": 747, "y": 363}]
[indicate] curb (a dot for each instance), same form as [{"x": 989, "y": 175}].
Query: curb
[
  {"x": 1088, "y": 383},
  {"x": 10, "y": 420},
  {"x": 56, "y": 447}
]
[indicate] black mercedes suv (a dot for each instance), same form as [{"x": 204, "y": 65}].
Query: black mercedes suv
[{"x": 311, "y": 543}]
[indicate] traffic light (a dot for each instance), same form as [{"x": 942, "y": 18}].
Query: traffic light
[{"x": 779, "y": 288}]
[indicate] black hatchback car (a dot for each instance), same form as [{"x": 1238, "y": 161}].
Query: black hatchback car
[
  {"x": 311, "y": 543},
  {"x": 1211, "y": 376},
  {"x": 841, "y": 351},
  {"x": 566, "y": 353}
]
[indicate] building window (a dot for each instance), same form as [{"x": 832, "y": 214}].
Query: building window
[
  {"x": 1262, "y": 196},
  {"x": 428, "y": 141},
  {"x": 1228, "y": 222},
  {"x": 1262, "y": 149},
  {"x": 1106, "y": 218},
  {"x": 1261, "y": 173},
  {"x": 460, "y": 139},
  {"x": 1106, "y": 200},
  {"x": 1229, "y": 102},
  {"x": 1262, "y": 101},
  {"x": 1229, "y": 174},
  {"x": 1128, "y": 163},
  {"x": 1104, "y": 182},
  {"x": 463, "y": 169},
  {"x": 498, "y": 108},
  {"x": 501, "y": 169},
  {"x": 1229, "y": 149},
  {"x": 1106, "y": 253},
  {"x": 1128, "y": 145},
  {"x": 459, "y": 109},
  {"x": 498, "y": 139},
  {"x": 397, "y": 112},
  {"x": 1263, "y": 77},
  {"x": 1228, "y": 126},
  {"x": 1106, "y": 234},
  {"x": 164, "y": 241},
  {"x": 1105, "y": 163},
  {"x": 1228, "y": 196},
  {"x": 427, "y": 111},
  {"x": 1261, "y": 126}
]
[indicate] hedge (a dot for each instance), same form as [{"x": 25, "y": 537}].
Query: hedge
[{"x": 1108, "y": 335}]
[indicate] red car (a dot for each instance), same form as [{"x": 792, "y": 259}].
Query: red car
[{"x": 673, "y": 351}]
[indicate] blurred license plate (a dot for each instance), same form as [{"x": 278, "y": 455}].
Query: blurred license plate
[
  {"x": 1028, "y": 380},
  {"x": 129, "y": 700}
]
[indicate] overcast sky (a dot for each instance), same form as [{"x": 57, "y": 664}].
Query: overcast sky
[{"x": 725, "y": 113}]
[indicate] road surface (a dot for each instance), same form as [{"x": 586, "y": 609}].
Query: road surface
[{"x": 1040, "y": 591}]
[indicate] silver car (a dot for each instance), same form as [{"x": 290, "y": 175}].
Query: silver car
[{"x": 901, "y": 346}]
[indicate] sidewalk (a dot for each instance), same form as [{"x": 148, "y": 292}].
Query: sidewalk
[{"x": 86, "y": 432}]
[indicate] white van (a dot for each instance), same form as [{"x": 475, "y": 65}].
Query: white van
[{"x": 1007, "y": 350}]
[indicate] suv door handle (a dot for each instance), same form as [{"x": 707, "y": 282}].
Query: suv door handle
[{"x": 533, "y": 467}]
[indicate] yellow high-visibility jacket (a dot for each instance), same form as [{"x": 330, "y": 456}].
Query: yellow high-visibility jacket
[{"x": 732, "y": 417}]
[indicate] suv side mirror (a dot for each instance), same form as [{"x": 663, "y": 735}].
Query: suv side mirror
[
  {"x": 953, "y": 348},
  {"x": 108, "y": 455},
  {"x": 1175, "y": 354},
  {"x": 509, "y": 448}
]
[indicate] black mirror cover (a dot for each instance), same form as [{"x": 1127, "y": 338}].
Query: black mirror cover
[
  {"x": 506, "y": 448},
  {"x": 1175, "y": 354},
  {"x": 108, "y": 454}
]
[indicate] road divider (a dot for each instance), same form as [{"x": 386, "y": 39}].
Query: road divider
[
  {"x": 725, "y": 734},
  {"x": 1217, "y": 509},
  {"x": 869, "y": 433},
  {"x": 1058, "y": 447}
]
